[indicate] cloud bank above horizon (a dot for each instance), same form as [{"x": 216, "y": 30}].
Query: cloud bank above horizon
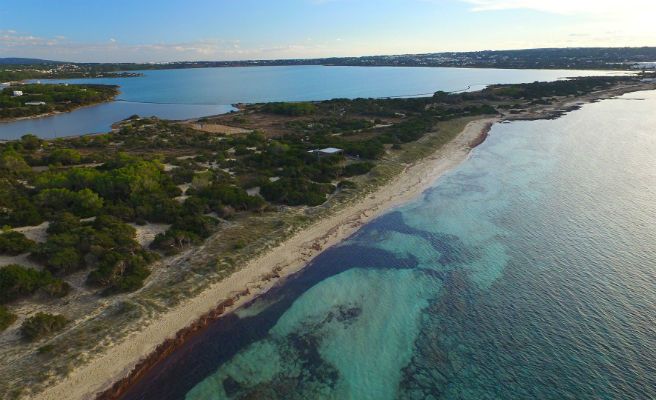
[
  {"x": 567, "y": 6},
  {"x": 151, "y": 31}
]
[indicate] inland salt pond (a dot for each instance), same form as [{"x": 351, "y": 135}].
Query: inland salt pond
[
  {"x": 193, "y": 93},
  {"x": 527, "y": 272}
]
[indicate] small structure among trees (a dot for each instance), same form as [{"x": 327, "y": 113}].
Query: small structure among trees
[{"x": 328, "y": 151}]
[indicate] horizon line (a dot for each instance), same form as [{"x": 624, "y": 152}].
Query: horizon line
[{"x": 334, "y": 57}]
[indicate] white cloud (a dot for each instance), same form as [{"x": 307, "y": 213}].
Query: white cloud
[
  {"x": 58, "y": 47},
  {"x": 568, "y": 6},
  {"x": 631, "y": 21}
]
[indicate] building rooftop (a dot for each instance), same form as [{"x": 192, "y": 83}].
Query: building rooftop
[{"x": 327, "y": 150}]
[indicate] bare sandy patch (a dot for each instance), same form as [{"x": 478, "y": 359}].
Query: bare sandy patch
[
  {"x": 218, "y": 128},
  {"x": 36, "y": 233},
  {"x": 146, "y": 233},
  {"x": 21, "y": 259}
]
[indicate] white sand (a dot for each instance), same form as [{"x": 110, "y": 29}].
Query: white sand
[
  {"x": 146, "y": 233},
  {"x": 184, "y": 187},
  {"x": 36, "y": 233},
  {"x": 253, "y": 191},
  {"x": 218, "y": 128},
  {"x": 21, "y": 259},
  {"x": 289, "y": 257}
]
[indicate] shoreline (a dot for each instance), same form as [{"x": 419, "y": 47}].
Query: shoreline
[
  {"x": 54, "y": 113},
  {"x": 108, "y": 375}
]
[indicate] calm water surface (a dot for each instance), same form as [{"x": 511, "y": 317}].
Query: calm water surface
[
  {"x": 190, "y": 93},
  {"x": 528, "y": 272},
  {"x": 97, "y": 119}
]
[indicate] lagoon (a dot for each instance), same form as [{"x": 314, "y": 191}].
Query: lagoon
[{"x": 192, "y": 93}]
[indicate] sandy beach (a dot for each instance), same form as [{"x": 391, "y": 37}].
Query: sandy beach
[{"x": 256, "y": 278}]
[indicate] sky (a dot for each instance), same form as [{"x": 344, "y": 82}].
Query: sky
[{"x": 189, "y": 30}]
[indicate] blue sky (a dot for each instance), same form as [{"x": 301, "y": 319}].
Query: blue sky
[{"x": 170, "y": 30}]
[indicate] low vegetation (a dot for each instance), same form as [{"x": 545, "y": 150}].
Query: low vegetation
[
  {"x": 290, "y": 109},
  {"x": 17, "y": 282},
  {"x": 15, "y": 243},
  {"x": 42, "y": 325},
  {"x": 6, "y": 318}
]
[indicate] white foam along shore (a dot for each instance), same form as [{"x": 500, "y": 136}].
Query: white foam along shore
[{"x": 289, "y": 257}]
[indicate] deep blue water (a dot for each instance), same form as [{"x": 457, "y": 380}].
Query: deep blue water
[
  {"x": 527, "y": 272},
  {"x": 190, "y": 93}
]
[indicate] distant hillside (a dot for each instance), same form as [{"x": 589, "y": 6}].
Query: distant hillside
[
  {"x": 26, "y": 61},
  {"x": 560, "y": 58},
  {"x": 612, "y": 58}
]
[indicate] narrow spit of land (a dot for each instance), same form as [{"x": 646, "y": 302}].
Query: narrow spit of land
[{"x": 118, "y": 309}]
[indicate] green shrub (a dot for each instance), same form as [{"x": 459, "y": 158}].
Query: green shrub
[
  {"x": 218, "y": 195},
  {"x": 174, "y": 241},
  {"x": 296, "y": 191},
  {"x": 156, "y": 207},
  {"x": 371, "y": 149},
  {"x": 57, "y": 288},
  {"x": 66, "y": 260},
  {"x": 41, "y": 325},
  {"x": 120, "y": 273},
  {"x": 6, "y": 318},
  {"x": 107, "y": 244},
  {"x": 15, "y": 243},
  {"x": 46, "y": 349},
  {"x": 198, "y": 224},
  {"x": 346, "y": 185},
  {"x": 31, "y": 142},
  {"x": 16, "y": 208},
  {"x": 84, "y": 203},
  {"x": 182, "y": 175},
  {"x": 290, "y": 109},
  {"x": 17, "y": 281},
  {"x": 13, "y": 164},
  {"x": 359, "y": 168},
  {"x": 120, "y": 210},
  {"x": 64, "y": 157},
  {"x": 64, "y": 222}
]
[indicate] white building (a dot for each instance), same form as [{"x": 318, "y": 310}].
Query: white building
[
  {"x": 645, "y": 65},
  {"x": 328, "y": 151},
  {"x": 35, "y": 103},
  {"x": 18, "y": 93}
]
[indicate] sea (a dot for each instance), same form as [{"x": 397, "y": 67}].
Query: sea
[
  {"x": 192, "y": 93},
  {"x": 527, "y": 272}
]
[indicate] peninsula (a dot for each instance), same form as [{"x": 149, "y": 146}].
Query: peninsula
[{"x": 33, "y": 100}]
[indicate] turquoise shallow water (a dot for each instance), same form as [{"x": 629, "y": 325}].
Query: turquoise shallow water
[
  {"x": 191, "y": 93},
  {"x": 528, "y": 272}
]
